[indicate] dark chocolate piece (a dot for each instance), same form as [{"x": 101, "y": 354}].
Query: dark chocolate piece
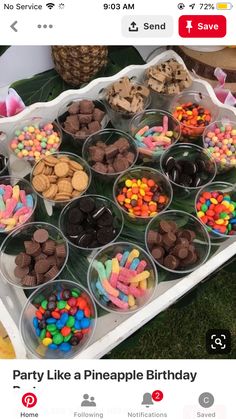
[{"x": 41, "y": 235}]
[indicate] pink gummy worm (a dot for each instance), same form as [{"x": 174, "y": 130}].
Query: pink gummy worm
[
  {"x": 10, "y": 206},
  {"x": 143, "y": 130},
  {"x": 109, "y": 289},
  {"x": 113, "y": 279},
  {"x": 142, "y": 265},
  {"x": 157, "y": 129},
  {"x": 118, "y": 303},
  {"x": 136, "y": 292},
  {"x": 119, "y": 256},
  {"x": 128, "y": 272},
  {"x": 23, "y": 197},
  {"x": 149, "y": 143},
  {"x": 122, "y": 287},
  {"x": 21, "y": 211},
  {"x": 8, "y": 192},
  {"x": 165, "y": 123}
]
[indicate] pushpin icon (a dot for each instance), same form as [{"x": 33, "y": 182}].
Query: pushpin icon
[{"x": 189, "y": 25}]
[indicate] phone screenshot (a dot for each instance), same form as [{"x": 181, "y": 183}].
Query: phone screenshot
[{"x": 117, "y": 209}]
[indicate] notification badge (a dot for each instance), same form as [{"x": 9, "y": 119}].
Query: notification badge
[
  {"x": 157, "y": 395},
  {"x": 202, "y": 26},
  {"x": 29, "y": 400}
]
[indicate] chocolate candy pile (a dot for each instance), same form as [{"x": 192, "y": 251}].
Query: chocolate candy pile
[
  {"x": 122, "y": 280},
  {"x": 62, "y": 319},
  {"x": 90, "y": 224},
  {"x": 41, "y": 260},
  {"x": 172, "y": 247},
  {"x": 142, "y": 197},
  {"x": 186, "y": 172},
  {"x": 83, "y": 119},
  {"x": 113, "y": 158},
  {"x": 126, "y": 96},
  {"x": 169, "y": 77},
  {"x": 3, "y": 162},
  {"x": 59, "y": 178}
]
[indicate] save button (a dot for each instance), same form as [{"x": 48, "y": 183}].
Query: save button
[{"x": 205, "y": 26}]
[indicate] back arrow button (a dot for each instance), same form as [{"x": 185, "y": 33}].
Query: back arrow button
[{"x": 13, "y": 26}]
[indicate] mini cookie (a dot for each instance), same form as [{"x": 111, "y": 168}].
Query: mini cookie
[
  {"x": 80, "y": 181},
  {"x": 74, "y": 165},
  {"x": 65, "y": 186},
  {"x": 39, "y": 168},
  {"x": 48, "y": 170},
  {"x": 64, "y": 158},
  {"x": 52, "y": 178},
  {"x": 75, "y": 194},
  {"x": 51, "y": 192},
  {"x": 51, "y": 160},
  {"x": 41, "y": 183},
  {"x": 62, "y": 196},
  {"x": 61, "y": 169}
]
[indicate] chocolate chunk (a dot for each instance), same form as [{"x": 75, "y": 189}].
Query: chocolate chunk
[
  {"x": 122, "y": 144},
  {"x": 96, "y": 154},
  {"x": 158, "y": 252},
  {"x": 61, "y": 251},
  {"x": 40, "y": 235},
  {"x": 110, "y": 169},
  {"x": 85, "y": 119},
  {"x": 29, "y": 281},
  {"x": 165, "y": 226},
  {"x": 72, "y": 123},
  {"x": 121, "y": 164},
  {"x": 74, "y": 108},
  {"x": 111, "y": 151},
  {"x": 180, "y": 251},
  {"x": 22, "y": 260},
  {"x": 41, "y": 266},
  {"x": 86, "y": 106},
  {"x": 100, "y": 167},
  {"x": 105, "y": 235},
  {"x": 75, "y": 216},
  {"x": 129, "y": 157},
  {"x": 40, "y": 257},
  {"x": 98, "y": 115},
  {"x": 32, "y": 248},
  {"x": 52, "y": 273},
  {"x": 171, "y": 262},
  {"x": 188, "y": 234},
  {"x": 94, "y": 126},
  {"x": 21, "y": 272},
  {"x": 169, "y": 239},
  {"x": 87, "y": 204},
  {"x": 49, "y": 247}
]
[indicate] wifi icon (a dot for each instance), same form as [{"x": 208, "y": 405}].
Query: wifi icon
[{"x": 50, "y": 5}]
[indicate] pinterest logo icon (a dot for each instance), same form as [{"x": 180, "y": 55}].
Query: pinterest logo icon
[{"x": 29, "y": 400}]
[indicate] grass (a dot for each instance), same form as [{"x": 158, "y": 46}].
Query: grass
[{"x": 180, "y": 331}]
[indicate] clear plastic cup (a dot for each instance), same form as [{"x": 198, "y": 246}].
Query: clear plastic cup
[
  {"x": 121, "y": 119},
  {"x": 151, "y": 118},
  {"x": 108, "y": 137},
  {"x": 192, "y": 132},
  {"x": 5, "y": 162},
  {"x": 139, "y": 172},
  {"x": 61, "y": 204},
  {"x": 23, "y": 185},
  {"x": 187, "y": 222},
  {"x": 223, "y": 187},
  {"x": 110, "y": 251},
  {"x": 63, "y": 113},
  {"x": 14, "y": 244},
  {"x": 34, "y": 121},
  {"x": 118, "y": 219},
  {"x": 228, "y": 162},
  {"x": 189, "y": 152},
  {"x": 31, "y": 340}
]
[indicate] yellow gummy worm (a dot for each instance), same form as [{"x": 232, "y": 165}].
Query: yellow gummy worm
[
  {"x": 115, "y": 266},
  {"x": 140, "y": 277},
  {"x": 109, "y": 289}
]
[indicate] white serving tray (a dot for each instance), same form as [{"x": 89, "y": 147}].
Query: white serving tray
[{"x": 111, "y": 329}]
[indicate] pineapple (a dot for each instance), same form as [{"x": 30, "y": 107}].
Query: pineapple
[{"x": 78, "y": 64}]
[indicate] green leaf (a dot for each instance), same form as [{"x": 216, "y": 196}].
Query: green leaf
[
  {"x": 41, "y": 88},
  {"x": 3, "y": 49},
  {"x": 124, "y": 56}
]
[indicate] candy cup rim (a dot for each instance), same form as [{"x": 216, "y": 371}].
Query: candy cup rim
[
  {"x": 106, "y": 131},
  {"x": 25, "y": 158},
  {"x": 35, "y": 199},
  {"x": 211, "y": 233},
  {"x": 79, "y": 100},
  {"x": 205, "y": 232},
  {"x": 15, "y": 232},
  {"x": 80, "y": 160},
  {"x": 189, "y": 145},
  {"x": 38, "y": 290},
  {"x": 139, "y": 217},
  {"x": 150, "y": 260},
  {"x": 95, "y": 196}
]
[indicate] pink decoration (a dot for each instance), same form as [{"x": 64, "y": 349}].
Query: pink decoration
[
  {"x": 11, "y": 105},
  {"x": 224, "y": 95}
]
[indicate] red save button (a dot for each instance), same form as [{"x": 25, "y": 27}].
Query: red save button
[{"x": 204, "y": 26}]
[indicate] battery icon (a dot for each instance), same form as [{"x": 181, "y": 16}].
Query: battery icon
[{"x": 224, "y": 6}]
